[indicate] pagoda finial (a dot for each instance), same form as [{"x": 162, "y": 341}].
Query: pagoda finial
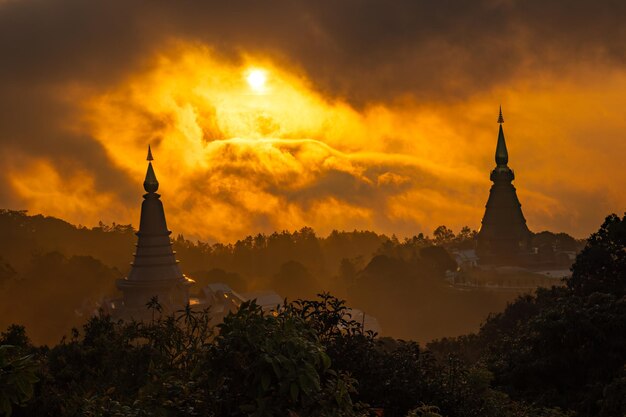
[
  {"x": 502, "y": 155},
  {"x": 150, "y": 184}
]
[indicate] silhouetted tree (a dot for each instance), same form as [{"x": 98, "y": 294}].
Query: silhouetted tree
[
  {"x": 563, "y": 346},
  {"x": 6, "y": 272},
  {"x": 293, "y": 280},
  {"x": 438, "y": 259},
  {"x": 601, "y": 266},
  {"x": 443, "y": 235}
]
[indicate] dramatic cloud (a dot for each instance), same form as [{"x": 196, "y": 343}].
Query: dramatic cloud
[{"x": 376, "y": 115}]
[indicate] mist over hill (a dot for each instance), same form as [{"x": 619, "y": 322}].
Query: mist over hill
[{"x": 54, "y": 274}]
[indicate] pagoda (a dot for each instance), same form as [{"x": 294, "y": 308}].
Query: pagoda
[
  {"x": 504, "y": 237},
  {"x": 155, "y": 271}
]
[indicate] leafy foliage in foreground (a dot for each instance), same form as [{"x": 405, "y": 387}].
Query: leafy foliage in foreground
[
  {"x": 307, "y": 359},
  {"x": 563, "y": 347},
  {"x": 17, "y": 375},
  {"x": 560, "y": 349},
  {"x": 257, "y": 364}
]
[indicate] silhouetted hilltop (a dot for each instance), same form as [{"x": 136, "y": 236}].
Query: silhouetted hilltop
[
  {"x": 52, "y": 273},
  {"x": 22, "y": 236}
]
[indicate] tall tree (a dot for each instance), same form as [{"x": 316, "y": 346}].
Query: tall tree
[{"x": 601, "y": 266}]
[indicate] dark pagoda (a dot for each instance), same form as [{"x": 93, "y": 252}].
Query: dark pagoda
[
  {"x": 155, "y": 269},
  {"x": 504, "y": 237}
]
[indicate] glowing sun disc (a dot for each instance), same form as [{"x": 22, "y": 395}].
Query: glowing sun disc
[{"x": 256, "y": 80}]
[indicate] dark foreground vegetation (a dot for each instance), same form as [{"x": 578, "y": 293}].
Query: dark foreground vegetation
[
  {"x": 50, "y": 268},
  {"x": 560, "y": 352}
]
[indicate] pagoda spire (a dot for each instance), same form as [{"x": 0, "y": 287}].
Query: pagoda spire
[
  {"x": 155, "y": 270},
  {"x": 150, "y": 184},
  {"x": 504, "y": 236},
  {"x": 502, "y": 155}
]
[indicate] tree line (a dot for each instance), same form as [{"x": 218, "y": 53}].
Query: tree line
[
  {"x": 558, "y": 352},
  {"x": 53, "y": 269}
]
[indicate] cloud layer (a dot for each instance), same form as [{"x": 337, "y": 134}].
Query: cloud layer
[{"x": 380, "y": 115}]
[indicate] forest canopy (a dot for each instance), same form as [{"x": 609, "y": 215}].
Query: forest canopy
[
  {"x": 50, "y": 268},
  {"x": 558, "y": 352}
]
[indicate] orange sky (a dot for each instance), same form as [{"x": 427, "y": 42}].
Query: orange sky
[{"x": 307, "y": 149}]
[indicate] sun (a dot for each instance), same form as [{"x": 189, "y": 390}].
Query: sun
[{"x": 256, "y": 80}]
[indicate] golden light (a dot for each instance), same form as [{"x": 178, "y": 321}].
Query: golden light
[
  {"x": 257, "y": 150},
  {"x": 248, "y": 155},
  {"x": 256, "y": 80}
]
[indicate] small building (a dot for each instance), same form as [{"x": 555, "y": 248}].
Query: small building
[{"x": 465, "y": 259}]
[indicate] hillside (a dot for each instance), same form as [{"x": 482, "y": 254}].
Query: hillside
[{"x": 53, "y": 273}]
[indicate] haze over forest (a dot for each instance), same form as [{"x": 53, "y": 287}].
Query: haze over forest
[
  {"x": 54, "y": 270},
  {"x": 54, "y": 275}
]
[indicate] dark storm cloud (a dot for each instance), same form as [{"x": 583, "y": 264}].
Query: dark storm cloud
[
  {"x": 372, "y": 50},
  {"x": 360, "y": 48}
]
